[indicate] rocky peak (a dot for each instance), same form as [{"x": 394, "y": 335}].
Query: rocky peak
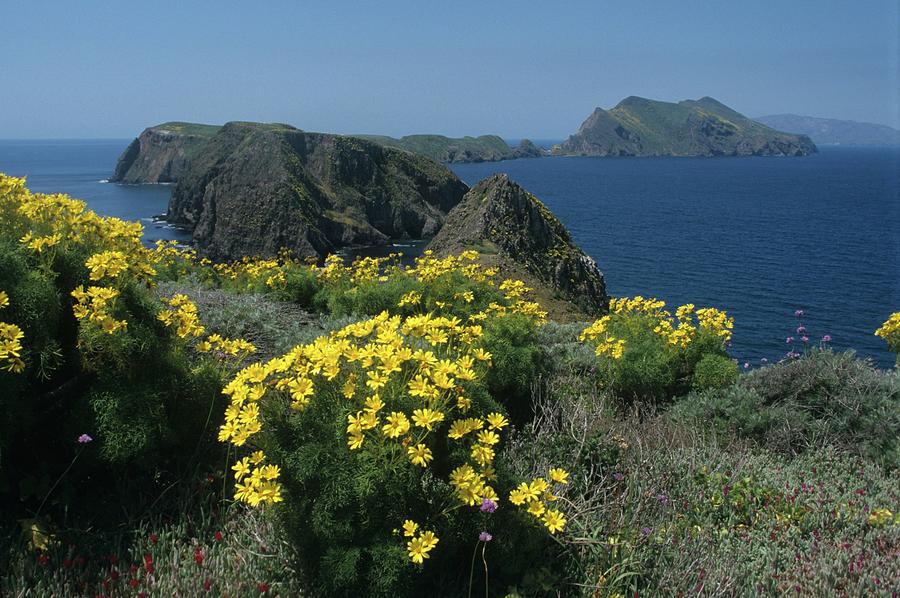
[
  {"x": 512, "y": 229},
  {"x": 255, "y": 188}
]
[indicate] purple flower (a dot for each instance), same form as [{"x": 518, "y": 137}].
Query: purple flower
[
  {"x": 488, "y": 506},
  {"x": 801, "y": 329},
  {"x": 799, "y": 313},
  {"x": 826, "y": 338},
  {"x": 662, "y": 498},
  {"x": 618, "y": 476},
  {"x": 84, "y": 439},
  {"x": 646, "y": 530},
  {"x": 789, "y": 340},
  {"x": 805, "y": 339},
  {"x": 746, "y": 365},
  {"x": 485, "y": 537}
]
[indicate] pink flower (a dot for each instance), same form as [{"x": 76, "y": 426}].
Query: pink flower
[
  {"x": 801, "y": 329},
  {"x": 826, "y": 338},
  {"x": 798, "y": 313},
  {"x": 805, "y": 339},
  {"x": 789, "y": 340},
  {"x": 84, "y": 439},
  {"x": 485, "y": 537}
]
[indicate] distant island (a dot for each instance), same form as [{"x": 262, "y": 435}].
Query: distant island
[
  {"x": 830, "y": 131},
  {"x": 486, "y": 148},
  {"x": 705, "y": 127}
]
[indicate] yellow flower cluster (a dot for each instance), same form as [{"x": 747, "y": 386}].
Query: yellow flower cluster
[
  {"x": 95, "y": 305},
  {"x": 606, "y": 344},
  {"x": 60, "y": 222},
  {"x": 411, "y": 298},
  {"x": 401, "y": 382},
  {"x": 429, "y": 268},
  {"x": 536, "y": 498},
  {"x": 231, "y": 347},
  {"x": 10, "y": 342},
  {"x": 678, "y": 332},
  {"x": 106, "y": 263},
  {"x": 890, "y": 332},
  {"x": 182, "y": 316},
  {"x": 879, "y": 517},
  {"x": 40, "y": 243},
  {"x": 421, "y": 542},
  {"x": 257, "y": 483}
]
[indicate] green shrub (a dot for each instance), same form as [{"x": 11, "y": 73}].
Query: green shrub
[
  {"x": 516, "y": 364},
  {"x": 714, "y": 371},
  {"x": 646, "y": 354},
  {"x": 820, "y": 398}
]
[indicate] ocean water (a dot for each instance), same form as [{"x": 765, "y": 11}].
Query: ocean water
[
  {"x": 81, "y": 168},
  {"x": 758, "y": 237}
]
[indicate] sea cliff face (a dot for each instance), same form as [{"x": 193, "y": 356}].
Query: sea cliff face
[
  {"x": 256, "y": 188},
  {"x": 512, "y": 230},
  {"x": 161, "y": 154},
  {"x": 704, "y": 127}
]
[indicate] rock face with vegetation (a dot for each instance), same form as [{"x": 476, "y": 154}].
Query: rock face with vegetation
[
  {"x": 486, "y": 148},
  {"x": 161, "y": 154},
  {"x": 704, "y": 127},
  {"x": 513, "y": 231},
  {"x": 255, "y": 188}
]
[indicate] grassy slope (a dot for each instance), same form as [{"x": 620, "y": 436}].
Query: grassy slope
[{"x": 443, "y": 149}]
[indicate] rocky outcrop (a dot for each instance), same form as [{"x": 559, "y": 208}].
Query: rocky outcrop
[
  {"x": 704, "y": 127},
  {"x": 512, "y": 230},
  {"x": 486, "y": 148},
  {"x": 255, "y": 188},
  {"x": 161, "y": 154}
]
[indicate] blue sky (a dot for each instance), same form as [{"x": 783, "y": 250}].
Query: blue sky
[{"x": 536, "y": 69}]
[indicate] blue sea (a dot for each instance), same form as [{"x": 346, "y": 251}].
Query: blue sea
[{"x": 758, "y": 237}]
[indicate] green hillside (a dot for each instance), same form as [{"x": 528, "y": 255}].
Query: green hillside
[{"x": 705, "y": 127}]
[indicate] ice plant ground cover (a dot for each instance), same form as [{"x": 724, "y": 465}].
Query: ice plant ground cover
[{"x": 420, "y": 431}]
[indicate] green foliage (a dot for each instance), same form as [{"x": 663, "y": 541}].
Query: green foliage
[
  {"x": 714, "y": 371},
  {"x": 517, "y": 362},
  {"x": 820, "y": 398},
  {"x": 342, "y": 509}
]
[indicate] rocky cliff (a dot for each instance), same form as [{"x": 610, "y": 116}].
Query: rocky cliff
[
  {"x": 704, "y": 127},
  {"x": 255, "y": 188},
  {"x": 486, "y": 148},
  {"x": 161, "y": 154},
  {"x": 511, "y": 229}
]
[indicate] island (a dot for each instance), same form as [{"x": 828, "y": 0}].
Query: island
[
  {"x": 830, "y": 131},
  {"x": 705, "y": 127}
]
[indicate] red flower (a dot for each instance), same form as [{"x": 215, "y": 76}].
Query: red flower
[
  {"x": 114, "y": 575},
  {"x": 43, "y": 560},
  {"x": 133, "y": 582},
  {"x": 263, "y": 587},
  {"x": 133, "y": 568},
  {"x": 207, "y": 584},
  {"x": 154, "y": 538},
  {"x": 141, "y": 595},
  {"x": 113, "y": 559},
  {"x": 218, "y": 536},
  {"x": 198, "y": 556},
  {"x": 148, "y": 563},
  {"x": 67, "y": 563}
]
